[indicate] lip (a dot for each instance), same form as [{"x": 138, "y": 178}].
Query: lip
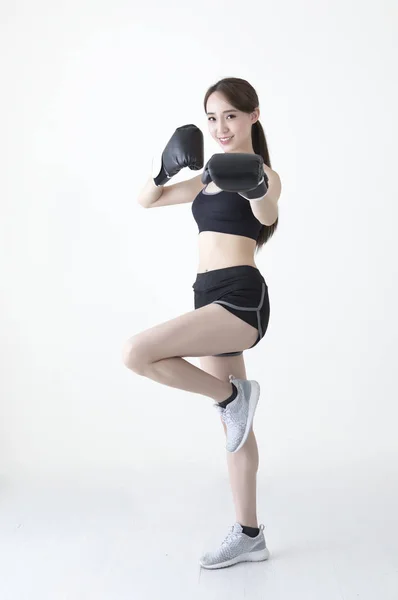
[
  {"x": 227, "y": 141},
  {"x": 225, "y": 136}
]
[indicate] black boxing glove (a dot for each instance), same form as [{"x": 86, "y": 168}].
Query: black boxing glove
[
  {"x": 237, "y": 172},
  {"x": 185, "y": 148}
]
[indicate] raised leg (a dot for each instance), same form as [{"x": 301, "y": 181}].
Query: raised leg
[{"x": 157, "y": 353}]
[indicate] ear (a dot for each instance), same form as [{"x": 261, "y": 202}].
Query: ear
[{"x": 255, "y": 115}]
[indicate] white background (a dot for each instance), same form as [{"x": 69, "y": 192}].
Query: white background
[
  {"x": 88, "y": 93},
  {"x": 89, "y": 90}
]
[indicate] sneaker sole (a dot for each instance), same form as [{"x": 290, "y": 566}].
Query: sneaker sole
[
  {"x": 256, "y": 556},
  {"x": 253, "y": 401}
]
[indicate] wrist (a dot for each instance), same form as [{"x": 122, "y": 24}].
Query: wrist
[{"x": 159, "y": 175}]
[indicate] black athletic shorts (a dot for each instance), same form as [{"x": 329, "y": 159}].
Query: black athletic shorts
[{"x": 242, "y": 290}]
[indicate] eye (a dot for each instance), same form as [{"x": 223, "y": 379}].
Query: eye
[{"x": 233, "y": 116}]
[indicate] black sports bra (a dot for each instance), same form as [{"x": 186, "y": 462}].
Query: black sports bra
[{"x": 226, "y": 212}]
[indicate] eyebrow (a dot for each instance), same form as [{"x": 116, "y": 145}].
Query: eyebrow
[{"x": 224, "y": 111}]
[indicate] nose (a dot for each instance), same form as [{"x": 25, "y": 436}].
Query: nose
[{"x": 222, "y": 132}]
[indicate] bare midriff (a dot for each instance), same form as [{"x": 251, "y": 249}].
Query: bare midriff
[{"x": 220, "y": 250}]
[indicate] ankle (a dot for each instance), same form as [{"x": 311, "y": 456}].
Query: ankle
[
  {"x": 251, "y": 531},
  {"x": 232, "y": 394},
  {"x": 248, "y": 523}
]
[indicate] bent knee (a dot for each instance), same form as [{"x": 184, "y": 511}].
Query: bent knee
[{"x": 133, "y": 355}]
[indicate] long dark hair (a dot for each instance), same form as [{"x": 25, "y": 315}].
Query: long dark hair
[{"x": 244, "y": 97}]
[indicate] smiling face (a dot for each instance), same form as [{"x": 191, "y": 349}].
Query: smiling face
[{"x": 225, "y": 121}]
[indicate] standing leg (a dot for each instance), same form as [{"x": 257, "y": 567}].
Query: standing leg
[{"x": 242, "y": 465}]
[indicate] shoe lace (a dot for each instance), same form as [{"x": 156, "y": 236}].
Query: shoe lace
[
  {"x": 225, "y": 414},
  {"x": 230, "y": 536}
]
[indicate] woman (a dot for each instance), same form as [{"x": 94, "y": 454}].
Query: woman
[{"x": 235, "y": 204}]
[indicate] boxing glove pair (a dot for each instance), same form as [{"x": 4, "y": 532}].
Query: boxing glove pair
[{"x": 233, "y": 172}]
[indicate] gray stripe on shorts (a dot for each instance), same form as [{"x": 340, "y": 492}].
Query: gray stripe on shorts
[{"x": 256, "y": 308}]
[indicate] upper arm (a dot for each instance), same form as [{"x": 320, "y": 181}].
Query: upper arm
[{"x": 179, "y": 193}]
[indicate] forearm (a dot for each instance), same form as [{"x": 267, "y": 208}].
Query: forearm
[
  {"x": 149, "y": 193},
  {"x": 265, "y": 210}
]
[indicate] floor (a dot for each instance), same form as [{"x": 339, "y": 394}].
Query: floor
[{"x": 136, "y": 535}]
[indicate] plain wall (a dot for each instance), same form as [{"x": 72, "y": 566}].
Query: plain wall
[{"x": 89, "y": 92}]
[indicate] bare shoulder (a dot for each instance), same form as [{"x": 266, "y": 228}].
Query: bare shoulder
[{"x": 182, "y": 192}]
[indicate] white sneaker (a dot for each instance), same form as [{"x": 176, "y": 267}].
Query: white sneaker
[
  {"x": 237, "y": 547},
  {"x": 238, "y": 415}
]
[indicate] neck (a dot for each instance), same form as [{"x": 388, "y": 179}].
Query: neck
[{"x": 246, "y": 148}]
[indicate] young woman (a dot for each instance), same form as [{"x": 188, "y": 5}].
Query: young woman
[{"x": 235, "y": 204}]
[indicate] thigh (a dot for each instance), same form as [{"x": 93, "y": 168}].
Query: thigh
[{"x": 202, "y": 332}]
